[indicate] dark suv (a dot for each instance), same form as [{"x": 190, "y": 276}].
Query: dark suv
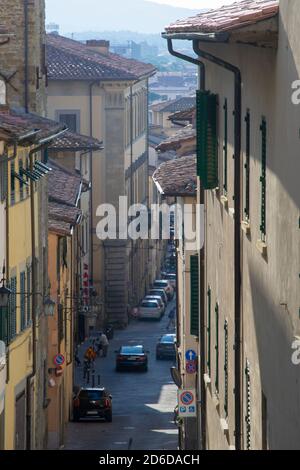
[{"x": 92, "y": 403}]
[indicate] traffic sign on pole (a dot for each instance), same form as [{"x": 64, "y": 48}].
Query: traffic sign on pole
[
  {"x": 190, "y": 355},
  {"x": 187, "y": 403},
  {"x": 59, "y": 359}
]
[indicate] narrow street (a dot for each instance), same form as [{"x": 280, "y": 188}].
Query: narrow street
[{"x": 143, "y": 404}]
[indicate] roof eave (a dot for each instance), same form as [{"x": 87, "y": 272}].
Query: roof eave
[{"x": 194, "y": 35}]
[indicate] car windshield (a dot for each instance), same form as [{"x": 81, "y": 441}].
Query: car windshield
[
  {"x": 91, "y": 394},
  {"x": 154, "y": 297},
  {"x": 148, "y": 304},
  {"x": 168, "y": 339},
  {"x": 157, "y": 292},
  {"x": 132, "y": 350}
]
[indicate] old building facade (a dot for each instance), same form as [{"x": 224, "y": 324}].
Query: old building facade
[
  {"x": 109, "y": 102},
  {"x": 251, "y": 314}
]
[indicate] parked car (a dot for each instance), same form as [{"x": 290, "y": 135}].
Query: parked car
[
  {"x": 171, "y": 277},
  {"x": 132, "y": 357},
  {"x": 166, "y": 347},
  {"x": 161, "y": 293},
  {"x": 92, "y": 403},
  {"x": 164, "y": 284},
  {"x": 159, "y": 299},
  {"x": 150, "y": 309}
]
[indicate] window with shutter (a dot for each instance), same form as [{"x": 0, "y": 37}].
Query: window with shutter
[
  {"x": 226, "y": 368},
  {"x": 12, "y": 184},
  {"x": 263, "y": 129},
  {"x": 194, "y": 295},
  {"x": 225, "y": 148},
  {"x": 13, "y": 309},
  {"x": 208, "y": 330},
  {"x": 207, "y": 144},
  {"x": 3, "y": 180},
  {"x": 28, "y": 320},
  {"x": 3, "y": 325},
  {"x": 217, "y": 348},
  {"x": 23, "y": 299},
  {"x": 247, "y": 169}
]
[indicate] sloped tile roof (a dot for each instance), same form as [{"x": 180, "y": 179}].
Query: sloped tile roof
[
  {"x": 228, "y": 18},
  {"x": 16, "y": 125},
  {"x": 172, "y": 106},
  {"x": 71, "y": 60},
  {"x": 64, "y": 186},
  {"x": 177, "y": 177},
  {"x": 175, "y": 141},
  {"x": 64, "y": 192},
  {"x": 75, "y": 142},
  {"x": 188, "y": 115}
]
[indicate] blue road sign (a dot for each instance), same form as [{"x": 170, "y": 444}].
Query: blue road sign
[
  {"x": 190, "y": 355},
  {"x": 187, "y": 398},
  {"x": 59, "y": 360},
  {"x": 191, "y": 367}
]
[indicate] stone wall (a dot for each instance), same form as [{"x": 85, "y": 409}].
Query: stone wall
[{"x": 12, "y": 54}]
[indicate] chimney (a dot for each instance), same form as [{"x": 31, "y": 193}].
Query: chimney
[{"x": 98, "y": 45}]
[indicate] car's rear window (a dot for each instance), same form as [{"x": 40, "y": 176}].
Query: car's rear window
[
  {"x": 149, "y": 304},
  {"x": 161, "y": 283},
  {"x": 167, "y": 339},
  {"x": 132, "y": 350},
  {"x": 91, "y": 394},
  {"x": 157, "y": 292}
]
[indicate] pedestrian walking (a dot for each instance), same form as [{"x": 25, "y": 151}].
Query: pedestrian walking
[
  {"x": 90, "y": 354},
  {"x": 104, "y": 344},
  {"x": 76, "y": 357},
  {"x": 171, "y": 316}
]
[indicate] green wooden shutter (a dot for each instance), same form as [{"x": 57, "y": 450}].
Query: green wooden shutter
[
  {"x": 28, "y": 319},
  {"x": 3, "y": 325},
  {"x": 225, "y": 148},
  {"x": 194, "y": 295},
  {"x": 226, "y": 368},
  {"x": 207, "y": 146},
  {"x": 263, "y": 129},
  {"x": 13, "y": 309},
  {"x": 247, "y": 168},
  {"x": 208, "y": 329},
  {"x": 23, "y": 299},
  {"x": 217, "y": 348}
]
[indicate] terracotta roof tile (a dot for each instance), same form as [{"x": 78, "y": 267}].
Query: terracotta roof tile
[
  {"x": 71, "y": 60},
  {"x": 188, "y": 115},
  {"x": 228, "y": 18},
  {"x": 175, "y": 141},
  {"x": 64, "y": 185},
  {"x": 75, "y": 142},
  {"x": 177, "y": 177},
  {"x": 172, "y": 106}
]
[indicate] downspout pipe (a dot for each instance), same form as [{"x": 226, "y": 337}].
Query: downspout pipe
[
  {"x": 26, "y": 60},
  {"x": 237, "y": 231},
  {"x": 202, "y": 80}
]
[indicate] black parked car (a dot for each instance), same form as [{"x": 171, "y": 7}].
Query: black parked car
[
  {"x": 132, "y": 357},
  {"x": 166, "y": 347},
  {"x": 92, "y": 403}
]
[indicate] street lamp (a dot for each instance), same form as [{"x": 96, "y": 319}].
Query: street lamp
[
  {"x": 49, "y": 306},
  {"x": 4, "y": 296}
]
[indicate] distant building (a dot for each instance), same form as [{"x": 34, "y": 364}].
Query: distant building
[{"x": 52, "y": 28}]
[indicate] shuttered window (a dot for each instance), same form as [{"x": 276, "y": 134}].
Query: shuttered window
[
  {"x": 3, "y": 325},
  {"x": 29, "y": 294},
  {"x": 207, "y": 145},
  {"x": 194, "y": 295},
  {"x": 217, "y": 348},
  {"x": 226, "y": 368},
  {"x": 248, "y": 406},
  {"x": 13, "y": 309},
  {"x": 247, "y": 169},
  {"x": 208, "y": 331},
  {"x": 263, "y": 129},
  {"x": 23, "y": 300},
  {"x": 225, "y": 148},
  {"x": 3, "y": 180},
  {"x": 12, "y": 184}
]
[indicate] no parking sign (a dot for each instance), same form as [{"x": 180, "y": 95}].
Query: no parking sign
[{"x": 187, "y": 403}]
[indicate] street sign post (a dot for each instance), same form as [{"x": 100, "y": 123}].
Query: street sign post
[
  {"x": 190, "y": 355},
  {"x": 59, "y": 359},
  {"x": 187, "y": 403},
  {"x": 191, "y": 367}
]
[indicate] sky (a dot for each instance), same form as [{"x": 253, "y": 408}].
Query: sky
[{"x": 117, "y": 15}]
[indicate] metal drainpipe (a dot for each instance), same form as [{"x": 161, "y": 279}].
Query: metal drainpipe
[
  {"x": 237, "y": 231},
  {"x": 202, "y": 74},
  {"x": 26, "y": 74},
  {"x": 131, "y": 189}
]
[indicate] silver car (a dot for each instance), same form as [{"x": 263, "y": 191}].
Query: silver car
[{"x": 150, "y": 309}]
